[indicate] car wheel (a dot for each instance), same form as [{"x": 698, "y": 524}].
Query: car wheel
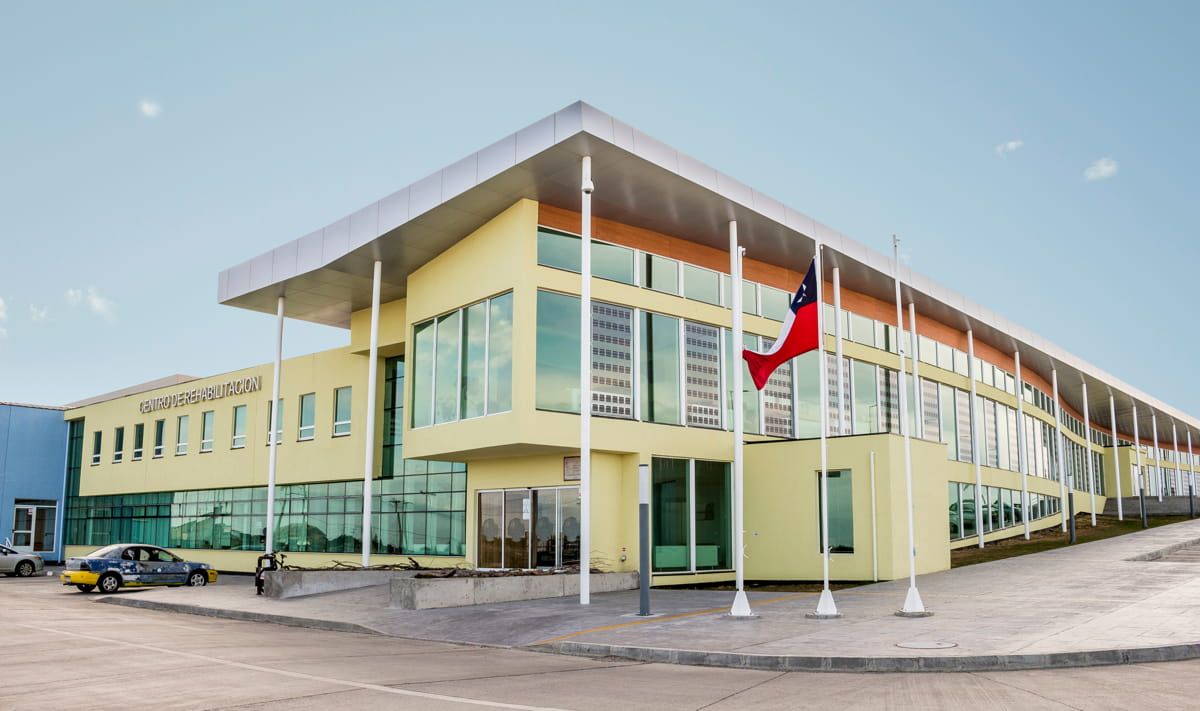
[
  {"x": 24, "y": 569},
  {"x": 197, "y": 579},
  {"x": 85, "y": 588},
  {"x": 108, "y": 583}
]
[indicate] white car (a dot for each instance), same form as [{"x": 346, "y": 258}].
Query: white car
[{"x": 22, "y": 565}]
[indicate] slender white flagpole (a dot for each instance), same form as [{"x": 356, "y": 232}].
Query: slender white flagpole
[
  {"x": 840, "y": 428},
  {"x": 1022, "y": 455},
  {"x": 741, "y": 604},
  {"x": 372, "y": 377},
  {"x": 1112, "y": 417},
  {"x": 975, "y": 448},
  {"x": 1157, "y": 455},
  {"x": 1087, "y": 448},
  {"x": 585, "y": 385},
  {"x": 913, "y": 607},
  {"x": 272, "y": 418},
  {"x": 826, "y": 607}
]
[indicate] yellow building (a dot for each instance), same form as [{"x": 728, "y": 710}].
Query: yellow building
[{"x": 472, "y": 419}]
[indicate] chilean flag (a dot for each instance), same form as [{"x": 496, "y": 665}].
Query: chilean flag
[{"x": 800, "y": 333}]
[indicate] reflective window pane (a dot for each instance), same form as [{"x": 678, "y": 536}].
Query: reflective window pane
[
  {"x": 670, "y": 515},
  {"x": 557, "y": 352},
  {"x": 660, "y": 363},
  {"x": 422, "y": 387},
  {"x": 612, "y": 360},
  {"x": 701, "y": 284},
  {"x": 474, "y": 359},
  {"x": 446, "y": 375},
  {"x": 610, "y": 261},
  {"x": 499, "y": 394},
  {"x": 702, "y": 363}
]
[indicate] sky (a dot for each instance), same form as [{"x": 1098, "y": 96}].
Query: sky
[{"x": 1039, "y": 158}]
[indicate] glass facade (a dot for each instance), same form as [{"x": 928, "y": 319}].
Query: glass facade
[
  {"x": 690, "y": 496},
  {"x": 841, "y": 512},
  {"x": 557, "y": 352},
  {"x": 660, "y": 366},
  {"x": 612, "y": 360},
  {"x": 1001, "y": 508},
  {"x": 702, "y": 370}
]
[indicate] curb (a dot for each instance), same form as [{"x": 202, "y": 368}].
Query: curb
[
  {"x": 965, "y": 663},
  {"x": 240, "y": 615}
]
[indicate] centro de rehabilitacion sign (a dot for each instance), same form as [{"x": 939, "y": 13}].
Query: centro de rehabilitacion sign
[{"x": 240, "y": 386}]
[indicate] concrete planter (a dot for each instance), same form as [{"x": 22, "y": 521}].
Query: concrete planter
[
  {"x": 427, "y": 593},
  {"x": 282, "y": 584}
]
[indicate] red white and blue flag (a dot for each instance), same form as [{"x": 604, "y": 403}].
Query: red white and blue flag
[{"x": 800, "y": 333}]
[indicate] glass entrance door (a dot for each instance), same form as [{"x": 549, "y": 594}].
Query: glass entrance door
[
  {"x": 33, "y": 528},
  {"x": 528, "y": 528}
]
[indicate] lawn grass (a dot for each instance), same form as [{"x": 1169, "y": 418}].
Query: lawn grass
[{"x": 1054, "y": 537}]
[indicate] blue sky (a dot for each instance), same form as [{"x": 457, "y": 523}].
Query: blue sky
[{"x": 146, "y": 146}]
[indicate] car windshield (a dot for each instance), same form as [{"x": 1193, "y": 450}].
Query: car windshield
[{"x": 105, "y": 552}]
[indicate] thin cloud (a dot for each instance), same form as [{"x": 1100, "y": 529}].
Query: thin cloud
[
  {"x": 1100, "y": 170},
  {"x": 37, "y": 314},
  {"x": 1007, "y": 147},
  {"x": 102, "y": 306},
  {"x": 3, "y": 309},
  {"x": 149, "y": 108}
]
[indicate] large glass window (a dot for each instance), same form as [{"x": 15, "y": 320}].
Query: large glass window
[
  {"x": 562, "y": 251},
  {"x": 963, "y": 413},
  {"x": 557, "y": 352},
  {"x": 660, "y": 365},
  {"x": 239, "y": 427},
  {"x": 610, "y": 261},
  {"x": 555, "y": 249},
  {"x": 949, "y": 420},
  {"x": 702, "y": 365},
  {"x": 690, "y": 496},
  {"x": 660, "y": 273},
  {"x": 841, "y": 512},
  {"x": 889, "y": 400},
  {"x": 308, "y": 417},
  {"x": 777, "y": 399},
  {"x": 612, "y": 360},
  {"x": 808, "y": 394},
  {"x": 929, "y": 411},
  {"x": 206, "y": 431},
  {"x": 701, "y": 284},
  {"x": 775, "y": 302},
  {"x": 865, "y": 397},
  {"x": 462, "y": 363},
  {"x": 341, "y": 411},
  {"x": 750, "y": 395},
  {"x": 181, "y": 435}
]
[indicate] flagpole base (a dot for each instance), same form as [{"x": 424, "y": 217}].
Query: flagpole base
[
  {"x": 913, "y": 607},
  {"x": 741, "y": 606},
  {"x": 826, "y": 608}
]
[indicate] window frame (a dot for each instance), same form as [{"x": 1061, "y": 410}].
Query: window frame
[
  {"x": 234, "y": 437},
  {"x": 347, "y": 423},
  {"x": 160, "y": 437},
  {"x": 139, "y": 441},
  {"x": 182, "y": 423},
  {"x": 208, "y": 423},
  {"x": 312, "y": 425},
  {"x": 118, "y": 444}
]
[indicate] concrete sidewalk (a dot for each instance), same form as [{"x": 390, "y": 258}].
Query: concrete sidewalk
[{"x": 1111, "y": 601}]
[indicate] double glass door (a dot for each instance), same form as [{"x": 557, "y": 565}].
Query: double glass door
[
  {"x": 528, "y": 528},
  {"x": 33, "y": 527}
]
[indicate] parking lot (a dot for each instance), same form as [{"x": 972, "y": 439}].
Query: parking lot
[{"x": 60, "y": 648}]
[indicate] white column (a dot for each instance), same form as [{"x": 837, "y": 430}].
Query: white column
[
  {"x": 1087, "y": 448},
  {"x": 874, "y": 525},
  {"x": 1139, "y": 484},
  {"x": 1157, "y": 455},
  {"x": 1191, "y": 465},
  {"x": 915, "y": 356},
  {"x": 271, "y": 419},
  {"x": 971, "y": 374},
  {"x": 1058, "y": 449},
  {"x": 912, "y": 602},
  {"x": 1178, "y": 467},
  {"x": 837, "y": 349},
  {"x": 741, "y": 604},
  {"x": 826, "y": 607},
  {"x": 372, "y": 377},
  {"x": 1112, "y": 418},
  {"x": 585, "y": 386},
  {"x": 1022, "y": 455}
]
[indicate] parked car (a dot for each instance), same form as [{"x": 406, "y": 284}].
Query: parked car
[
  {"x": 22, "y": 565},
  {"x": 133, "y": 565}
]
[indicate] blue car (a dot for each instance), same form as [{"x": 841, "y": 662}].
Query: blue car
[{"x": 133, "y": 565}]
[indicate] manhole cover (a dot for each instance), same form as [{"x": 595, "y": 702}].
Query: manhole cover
[{"x": 923, "y": 644}]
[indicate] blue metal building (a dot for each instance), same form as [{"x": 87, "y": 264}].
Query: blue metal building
[{"x": 33, "y": 451}]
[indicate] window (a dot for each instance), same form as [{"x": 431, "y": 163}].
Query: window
[
  {"x": 562, "y": 251},
  {"x": 929, "y": 411},
  {"x": 927, "y": 350},
  {"x": 160, "y": 433},
  {"x": 96, "y": 447},
  {"x": 308, "y": 417},
  {"x": 239, "y": 427},
  {"x": 749, "y": 298},
  {"x": 777, "y": 399},
  {"x": 701, "y": 284},
  {"x": 702, "y": 370},
  {"x": 775, "y": 302},
  {"x": 206, "y": 431},
  {"x": 181, "y": 435},
  {"x": 612, "y": 360},
  {"x": 278, "y": 423},
  {"x": 865, "y": 398},
  {"x": 462, "y": 365},
  {"x": 949, "y": 420},
  {"x": 613, "y": 262},
  {"x": 341, "y": 410},
  {"x": 808, "y": 394},
  {"x": 555, "y": 249},
  {"x": 963, "y": 413},
  {"x": 690, "y": 496},
  {"x": 945, "y": 357},
  {"x": 557, "y": 357},
  {"x": 660, "y": 273},
  {"x": 841, "y": 512},
  {"x": 862, "y": 330},
  {"x": 118, "y": 444},
  {"x": 139, "y": 436},
  {"x": 660, "y": 368}
]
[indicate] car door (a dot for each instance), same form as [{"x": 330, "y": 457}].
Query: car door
[
  {"x": 169, "y": 569},
  {"x": 8, "y": 559},
  {"x": 132, "y": 566}
]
